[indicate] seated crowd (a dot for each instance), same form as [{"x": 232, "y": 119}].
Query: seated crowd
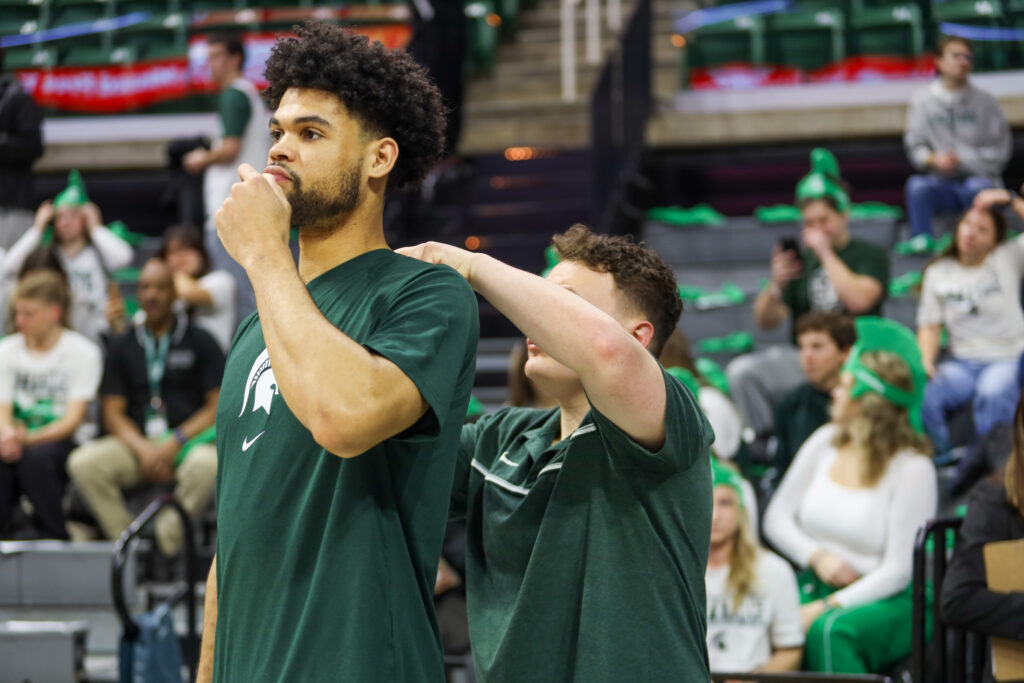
[{"x": 814, "y": 518}]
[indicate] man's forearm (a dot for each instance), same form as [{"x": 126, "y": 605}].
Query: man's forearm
[
  {"x": 122, "y": 427},
  {"x": 200, "y": 420},
  {"x": 769, "y": 309},
  {"x": 929, "y": 339},
  {"x": 205, "y": 669},
  {"x": 858, "y": 293}
]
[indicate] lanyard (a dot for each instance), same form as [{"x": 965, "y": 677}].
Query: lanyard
[{"x": 156, "y": 364}]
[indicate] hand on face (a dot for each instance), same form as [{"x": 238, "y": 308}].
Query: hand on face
[
  {"x": 91, "y": 216},
  {"x": 816, "y": 240},
  {"x": 255, "y": 220},
  {"x": 785, "y": 266},
  {"x": 436, "y": 252}
]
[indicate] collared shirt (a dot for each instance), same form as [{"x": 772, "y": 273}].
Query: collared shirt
[{"x": 585, "y": 558}]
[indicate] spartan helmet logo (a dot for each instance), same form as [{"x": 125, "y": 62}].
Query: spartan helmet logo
[{"x": 261, "y": 383}]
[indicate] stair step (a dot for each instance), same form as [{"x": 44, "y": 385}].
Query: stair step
[
  {"x": 40, "y": 573},
  {"x": 43, "y": 651}
]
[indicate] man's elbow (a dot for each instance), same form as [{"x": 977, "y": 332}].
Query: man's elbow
[{"x": 345, "y": 435}]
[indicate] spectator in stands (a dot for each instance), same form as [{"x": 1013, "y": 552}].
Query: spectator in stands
[
  {"x": 573, "y": 497},
  {"x": 244, "y": 140},
  {"x": 851, "y": 502},
  {"x": 48, "y": 377},
  {"x": 43, "y": 258},
  {"x": 824, "y": 339},
  {"x": 159, "y": 399},
  {"x": 208, "y": 294},
  {"x": 752, "y": 599},
  {"x": 88, "y": 250},
  {"x": 973, "y": 290},
  {"x": 957, "y": 137},
  {"x": 835, "y": 272},
  {"x": 995, "y": 513},
  {"x": 721, "y": 413},
  {"x": 21, "y": 143}
]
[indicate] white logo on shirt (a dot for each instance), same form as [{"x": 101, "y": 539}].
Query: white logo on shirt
[
  {"x": 261, "y": 383},
  {"x": 247, "y": 443}
]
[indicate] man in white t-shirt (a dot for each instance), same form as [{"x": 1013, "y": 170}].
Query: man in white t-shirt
[
  {"x": 761, "y": 631},
  {"x": 48, "y": 377},
  {"x": 245, "y": 140}
]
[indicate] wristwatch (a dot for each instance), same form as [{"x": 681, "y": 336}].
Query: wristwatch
[{"x": 179, "y": 436}]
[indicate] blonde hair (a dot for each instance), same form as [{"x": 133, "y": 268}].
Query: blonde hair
[
  {"x": 47, "y": 286},
  {"x": 742, "y": 559},
  {"x": 881, "y": 428}
]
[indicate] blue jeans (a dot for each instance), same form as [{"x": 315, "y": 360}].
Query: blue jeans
[
  {"x": 928, "y": 195},
  {"x": 990, "y": 387}
]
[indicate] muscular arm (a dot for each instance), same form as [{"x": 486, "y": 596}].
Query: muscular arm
[
  {"x": 205, "y": 672},
  {"x": 859, "y": 293},
  {"x": 769, "y": 309}
]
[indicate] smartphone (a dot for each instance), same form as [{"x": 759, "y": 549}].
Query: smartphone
[{"x": 790, "y": 244}]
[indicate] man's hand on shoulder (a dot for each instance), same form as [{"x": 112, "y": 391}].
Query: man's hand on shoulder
[
  {"x": 255, "y": 220},
  {"x": 438, "y": 253}
]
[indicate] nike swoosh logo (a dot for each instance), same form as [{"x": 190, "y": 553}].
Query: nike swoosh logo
[{"x": 247, "y": 443}]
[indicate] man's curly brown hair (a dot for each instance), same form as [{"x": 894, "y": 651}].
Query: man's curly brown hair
[
  {"x": 639, "y": 272},
  {"x": 385, "y": 90}
]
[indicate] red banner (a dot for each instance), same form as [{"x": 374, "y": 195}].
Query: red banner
[
  {"x": 119, "y": 88},
  {"x": 860, "y": 69},
  {"x": 742, "y": 77}
]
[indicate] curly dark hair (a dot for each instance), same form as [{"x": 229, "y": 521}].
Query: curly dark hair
[
  {"x": 639, "y": 273},
  {"x": 385, "y": 90}
]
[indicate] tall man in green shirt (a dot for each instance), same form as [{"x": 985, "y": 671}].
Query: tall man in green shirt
[
  {"x": 343, "y": 396},
  {"x": 587, "y": 524}
]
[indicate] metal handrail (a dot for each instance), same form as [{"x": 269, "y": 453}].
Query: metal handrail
[
  {"x": 799, "y": 677},
  {"x": 131, "y": 630}
]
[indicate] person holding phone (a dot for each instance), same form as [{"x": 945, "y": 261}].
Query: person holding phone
[{"x": 833, "y": 272}]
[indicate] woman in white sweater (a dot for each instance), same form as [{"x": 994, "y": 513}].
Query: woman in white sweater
[
  {"x": 851, "y": 502},
  {"x": 88, "y": 251}
]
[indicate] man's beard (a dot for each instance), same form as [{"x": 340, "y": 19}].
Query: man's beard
[{"x": 314, "y": 211}]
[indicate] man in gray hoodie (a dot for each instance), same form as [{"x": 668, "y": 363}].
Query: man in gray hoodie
[{"x": 956, "y": 136}]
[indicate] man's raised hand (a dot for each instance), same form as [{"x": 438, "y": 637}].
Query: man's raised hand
[
  {"x": 255, "y": 219},
  {"x": 436, "y": 252}
]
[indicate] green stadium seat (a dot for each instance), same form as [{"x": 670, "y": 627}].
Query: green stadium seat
[
  {"x": 19, "y": 18},
  {"x": 739, "y": 40},
  {"x": 30, "y": 56},
  {"x": 809, "y": 40},
  {"x": 85, "y": 55},
  {"x": 988, "y": 55},
  {"x": 482, "y": 39},
  {"x": 214, "y": 5},
  {"x": 894, "y": 30},
  {"x": 73, "y": 11},
  {"x": 165, "y": 37}
]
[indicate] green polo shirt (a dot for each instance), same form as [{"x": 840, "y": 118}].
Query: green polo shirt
[
  {"x": 326, "y": 565},
  {"x": 585, "y": 558},
  {"x": 813, "y": 291}
]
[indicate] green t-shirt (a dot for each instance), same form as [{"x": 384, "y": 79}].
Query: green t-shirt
[
  {"x": 325, "y": 565},
  {"x": 798, "y": 415},
  {"x": 235, "y": 110},
  {"x": 813, "y": 291},
  {"x": 585, "y": 559}
]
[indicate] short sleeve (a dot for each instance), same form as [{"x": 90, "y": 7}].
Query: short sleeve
[
  {"x": 688, "y": 435},
  {"x": 114, "y": 382},
  {"x": 211, "y": 360},
  {"x": 430, "y": 331},
  {"x": 6, "y": 372},
  {"x": 84, "y": 378},
  {"x": 460, "y": 483},
  {"x": 874, "y": 264},
  {"x": 929, "y": 308},
  {"x": 787, "y": 628},
  {"x": 235, "y": 111}
]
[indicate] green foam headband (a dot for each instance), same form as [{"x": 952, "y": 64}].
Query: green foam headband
[
  {"x": 823, "y": 181},
  {"x": 878, "y": 334},
  {"x": 74, "y": 194},
  {"x": 725, "y": 476}
]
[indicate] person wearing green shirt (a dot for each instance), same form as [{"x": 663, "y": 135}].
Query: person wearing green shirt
[
  {"x": 588, "y": 524},
  {"x": 344, "y": 394},
  {"x": 833, "y": 272},
  {"x": 824, "y": 339}
]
